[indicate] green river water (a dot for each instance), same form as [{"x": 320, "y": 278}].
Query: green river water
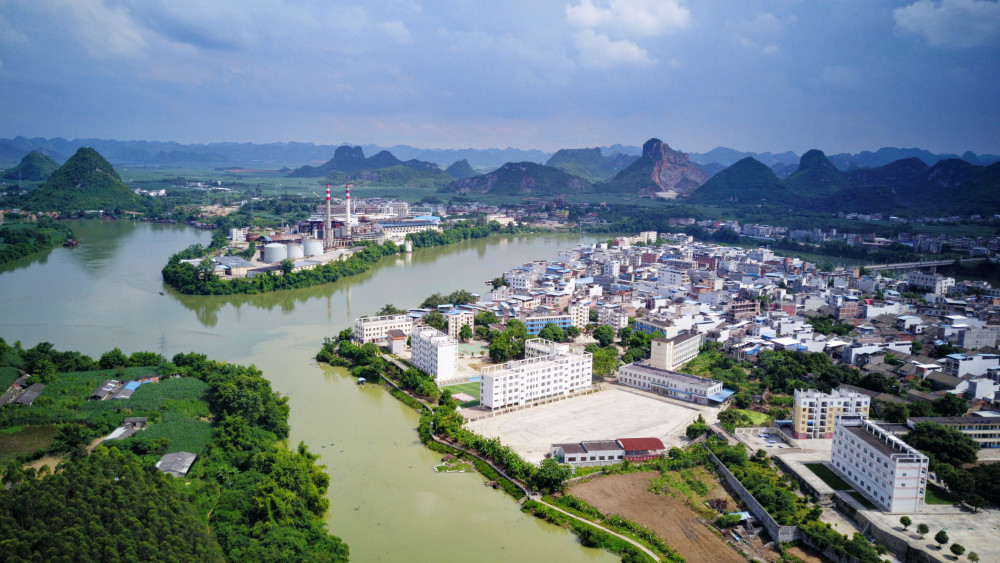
[{"x": 386, "y": 500}]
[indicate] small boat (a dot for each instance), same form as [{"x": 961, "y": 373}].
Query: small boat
[
  {"x": 361, "y": 381},
  {"x": 71, "y": 243}
]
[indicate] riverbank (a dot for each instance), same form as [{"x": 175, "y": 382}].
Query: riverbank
[
  {"x": 500, "y": 465},
  {"x": 20, "y": 240}
]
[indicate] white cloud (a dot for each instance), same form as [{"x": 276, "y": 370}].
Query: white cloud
[
  {"x": 396, "y": 30},
  {"x": 598, "y": 51},
  {"x": 951, "y": 23},
  {"x": 9, "y": 35},
  {"x": 103, "y": 30},
  {"x": 763, "y": 32},
  {"x": 630, "y": 18}
]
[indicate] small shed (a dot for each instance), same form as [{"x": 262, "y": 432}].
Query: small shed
[
  {"x": 395, "y": 340},
  {"x": 30, "y": 394},
  {"x": 177, "y": 464}
]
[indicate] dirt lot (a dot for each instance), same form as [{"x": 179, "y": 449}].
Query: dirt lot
[{"x": 628, "y": 496}]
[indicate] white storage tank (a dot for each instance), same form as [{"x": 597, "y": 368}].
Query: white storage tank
[
  {"x": 313, "y": 247},
  {"x": 295, "y": 251},
  {"x": 275, "y": 252}
]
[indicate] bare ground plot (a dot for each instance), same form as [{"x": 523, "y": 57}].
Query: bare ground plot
[
  {"x": 25, "y": 441},
  {"x": 606, "y": 415},
  {"x": 628, "y": 496}
]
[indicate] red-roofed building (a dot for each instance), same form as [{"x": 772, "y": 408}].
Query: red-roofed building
[{"x": 642, "y": 449}]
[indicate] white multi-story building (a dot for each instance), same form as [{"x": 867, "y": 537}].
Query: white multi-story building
[
  {"x": 374, "y": 329},
  {"x": 613, "y": 315},
  {"x": 936, "y": 283},
  {"x": 457, "y": 318},
  {"x": 580, "y": 313},
  {"x": 888, "y": 471},
  {"x": 434, "y": 353},
  {"x": 958, "y": 365},
  {"x": 814, "y": 412},
  {"x": 549, "y": 370},
  {"x": 672, "y": 353},
  {"x": 676, "y": 385}
]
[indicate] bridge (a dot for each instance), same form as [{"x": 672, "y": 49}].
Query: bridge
[{"x": 933, "y": 264}]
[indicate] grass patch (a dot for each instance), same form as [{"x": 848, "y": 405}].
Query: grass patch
[
  {"x": 186, "y": 433},
  {"x": 756, "y": 418},
  {"x": 7, "y": 376},
  {"x": 938, "y": 495},
  {"x": 828, "y": 476},
  {"x": 862, "y": 499},
  {"x": 26, "y": 440},
  {"x": 472, "y": 388}
]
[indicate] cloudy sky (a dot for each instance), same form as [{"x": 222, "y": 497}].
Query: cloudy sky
[{"x": 840, "y": 75}]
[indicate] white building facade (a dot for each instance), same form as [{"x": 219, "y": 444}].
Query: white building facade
[
  {"x": 676, "y": 385},
  {"x": 374, "y": 329},
  {"x": 549, "y": 370},
  {"x": 434, "y": 353},
  {"x": 888, "y": 471}
]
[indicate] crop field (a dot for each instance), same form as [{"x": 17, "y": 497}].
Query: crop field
[
  {"x": 20, "y": 440},
  {"x": 186, "y": 433}
]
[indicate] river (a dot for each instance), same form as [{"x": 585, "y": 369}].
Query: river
[{"x": 386, "y": 500}]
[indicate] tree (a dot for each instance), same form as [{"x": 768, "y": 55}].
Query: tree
[
  {"x": 943, "y": 444},
  {"x": 941, "y": 538},
  {"x": 895, "y": 413},
  {"x": 905, "y": 521},
  {"x": 287, "y": 266},
  {"x": 950, "y": 405},
  {"x": 502, "y": 348},
  {"x": 206, "y": 270},
  {"x": 958, "y": 549},
  {"x": 605, "y": 335},
  {"x": 436, "y": 320},
  {"x": 550, "y": 476},
  {"x": 389, "y": 309},
  {"x": 113, "y": 359},
  {"x": 922, "y": 529},
  {"x": 485, "y": 318},
  {"x": 465, "y": 333},
  {"x": 572, "y": 332},
  {"x": 915, "y": 347},
  {"x": 973, "y": 556},
  {"x": 551, "y": 331}
]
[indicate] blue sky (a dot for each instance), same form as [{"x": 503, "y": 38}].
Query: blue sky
[{"x": 839, "y": 75}]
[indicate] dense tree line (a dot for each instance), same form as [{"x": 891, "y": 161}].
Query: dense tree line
[
  {"x": 201, "y": 279},
  {"x": 462, "y": 230},
  {"x": 18, "y": 242},
  {"x": 108, "y": 506},
  {"x": 272, "y": 500}
]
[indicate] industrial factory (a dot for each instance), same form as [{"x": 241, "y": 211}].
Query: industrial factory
[{"x": 333, "y": 232}]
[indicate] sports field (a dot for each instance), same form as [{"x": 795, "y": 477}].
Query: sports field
[{"x": 470, "y": 388}]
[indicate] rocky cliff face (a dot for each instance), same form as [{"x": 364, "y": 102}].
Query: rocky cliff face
[{"x": 672, "y": 171}]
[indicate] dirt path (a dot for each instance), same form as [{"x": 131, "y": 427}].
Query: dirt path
[{"x": 628, "y": 496}]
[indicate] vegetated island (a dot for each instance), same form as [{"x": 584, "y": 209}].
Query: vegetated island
[
  {"x": 201, "y": 279},
  {"x": 86, "y": 469},
  {"x": 18, "y": 240}
]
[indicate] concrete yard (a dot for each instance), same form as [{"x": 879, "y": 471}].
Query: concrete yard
[
  {"x": 605, "y": 415},
  {"x": 976, "y": 531}
]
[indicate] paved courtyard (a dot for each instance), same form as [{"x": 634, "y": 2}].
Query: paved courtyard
[
  {"x": 605, "y": 415},
  {"x": 976, "y": 531}
]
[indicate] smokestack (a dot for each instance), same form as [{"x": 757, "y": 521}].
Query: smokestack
[
  {"x": 347, "y": 205},
  {"x": 327, "y": 227}
]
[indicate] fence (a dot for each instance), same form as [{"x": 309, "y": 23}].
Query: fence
[{"x": 778, "y": 533}]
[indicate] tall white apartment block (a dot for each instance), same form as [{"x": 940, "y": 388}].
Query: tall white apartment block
[
  {"x": 457, "y": 318},
  {"x": 580, "y": 312},
  {"x": 434, "y": 353},
  {"x": 549, "y": 370},
  {"x": 372, "y": 329},
  {"x": 613, "y": 315},
  {"x": 672, "y": 353},
  {"x": 814, "y": 412},
  {"x": 888, "y": 471},
  {"x": 936, "y": 283}
]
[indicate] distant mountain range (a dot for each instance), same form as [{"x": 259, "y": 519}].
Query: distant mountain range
[{"x": 293, "y": 155}]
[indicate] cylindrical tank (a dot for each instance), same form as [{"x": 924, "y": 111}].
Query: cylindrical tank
[
  {"x": 313, "y": 247},
  {"x": 275, "y": 252},
  {"x": 295, "y": 251}
]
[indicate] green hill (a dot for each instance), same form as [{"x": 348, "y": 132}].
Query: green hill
[
  {"x": 521, "y": 178},
  {"x": 659, "y": 169},
  {"x": 590, "y": 164},
  {"x": 816, "y": 176},
  {"x": 746, "y": 182},
  {"x": 460, "y": 169},
  {"x": 35, "y": 166},
  {"x": 86, "y": 181}
]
